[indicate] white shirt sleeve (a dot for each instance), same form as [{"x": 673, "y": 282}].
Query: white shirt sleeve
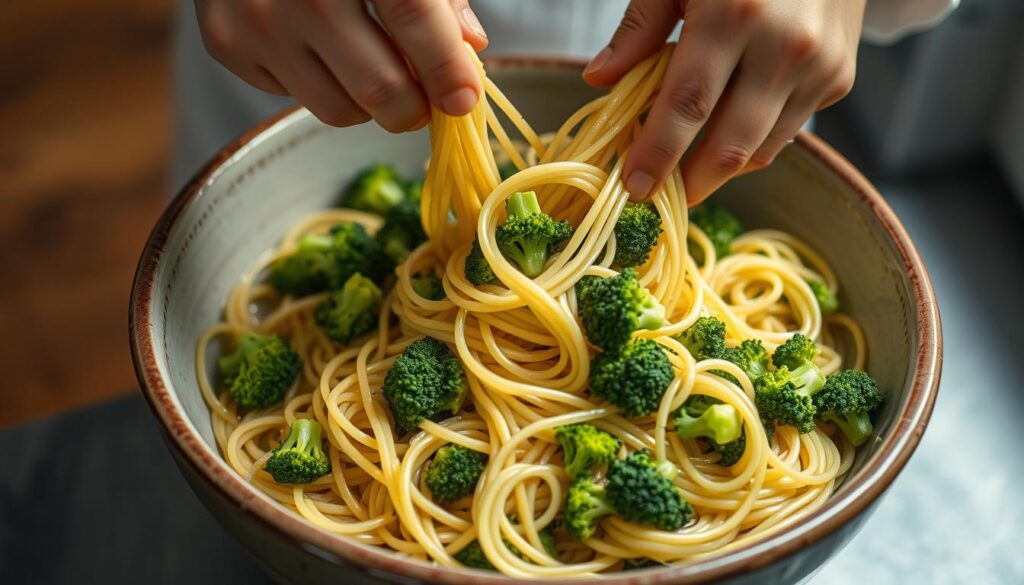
[{"x": 886, "y": 21}]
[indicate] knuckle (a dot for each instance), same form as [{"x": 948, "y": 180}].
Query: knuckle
[
  {"x": 844, "y": 83},
  {"x": 691, "y": 102},
  {"x": 321, "y": 8},
  {"x": 663, "y": 149},
  {"x": 380, "y": 89},
  {"x": 729, "y": 159},
  {"x": 447, "y": 68},
  {"x": 744, "y": 11},
  {"x": 260, "y": 13},
  {"x": 802, "y": 45},
  {"x": 407, "y": 12},
  {"x": 764, "y": 157},
  {"x": 216, "y": 33},
  {"x": 635, "y": 20}
]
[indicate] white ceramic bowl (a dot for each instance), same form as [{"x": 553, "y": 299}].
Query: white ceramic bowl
[{"x": 244, "y": 200}]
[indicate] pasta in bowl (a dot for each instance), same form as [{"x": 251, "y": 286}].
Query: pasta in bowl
[{"x": 442, "y": 392}]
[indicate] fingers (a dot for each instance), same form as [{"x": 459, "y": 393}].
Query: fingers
[
  {"x": 360, "y": 56},
  {"x": 315, "y": 87},
  {"x": 696, "y": 77},
  {"x": 642, "y": 31},
  {"x": 742, "y": 121},
  {"x": 430, "y": 35},
  {"x": 472, "y": 31}
]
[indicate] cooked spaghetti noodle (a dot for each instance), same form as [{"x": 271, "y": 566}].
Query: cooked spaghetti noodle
[{"x": 527, "y": 360}]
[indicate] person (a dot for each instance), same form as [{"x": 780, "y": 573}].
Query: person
[{"x": 748, "y": 73}]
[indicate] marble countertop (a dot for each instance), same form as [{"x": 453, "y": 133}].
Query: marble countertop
[{"x": 92, "y": 496}]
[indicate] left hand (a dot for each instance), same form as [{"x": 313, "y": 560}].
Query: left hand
[{"x": 749, "y": 73}]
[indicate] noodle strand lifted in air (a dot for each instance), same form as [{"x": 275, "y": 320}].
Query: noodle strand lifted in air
[{"x": 533, "y": 365}]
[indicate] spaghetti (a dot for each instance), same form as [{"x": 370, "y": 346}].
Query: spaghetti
[{"x": 527, "y": 360}]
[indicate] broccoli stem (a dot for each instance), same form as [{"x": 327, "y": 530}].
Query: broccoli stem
[
  {"x": 523, "y": 203},
  {"x": 857, "y": 427}
]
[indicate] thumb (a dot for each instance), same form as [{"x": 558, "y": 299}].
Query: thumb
[{"x": 472, "y": 31}]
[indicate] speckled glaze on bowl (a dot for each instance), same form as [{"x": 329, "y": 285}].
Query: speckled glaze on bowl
[{"x": 241, "y": 203}]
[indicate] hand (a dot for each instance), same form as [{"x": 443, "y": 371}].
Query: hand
[
  {"x": 748, "y": 72},
  {"x": 344, "y": 65}
]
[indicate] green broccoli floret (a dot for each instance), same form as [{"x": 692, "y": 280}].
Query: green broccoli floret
[
  {"x": 785, "y": 396},
  {"x": 584, "y": 447},
  {"x": 355, "y": 251},
  {"x": 473, "y": 557},
  {"x": 326, "y": 262},
  {"x": 478, "y": 271},
  {"x": 585, "y": 504},
  {"x": 705, "y": 339},
  {"x": 428, "y": 286},
  {"x": 414, "y": 190},
  {"x": 720, "y": 226},
  {"x": 847, "y": 399},
  {"x": 716, "y": 423},
  {"x": 260, "y": 371},
  {"x": 426, "y": 381},
  {"x": 826, "y": 297},
  {"x": 453, "y": 472},
  {"x": 797, "y": 354},
  {"x": 528, "y": 236},
  {"x": 641, "y": 490},
  {"x": 583, "y": 285},
  {"x": 311, "y": 269},
  {"x": 639, "y": 563},
  {"x": 299, "y": 458},
  {"x": 351, "y": 311},
  {"x": 507, "y": 169},
  {"x": 634, "y": 378},
  {"x": 636, "y": 233},
  {"x": 375, "y": 189},
  {"x": 704, "y": 416},
  {"x": 547, "y": 540},
  {"x": 750, "y": 356},
  {"x": 402, "y": 231},
  {"x": 612, "y": 308}
]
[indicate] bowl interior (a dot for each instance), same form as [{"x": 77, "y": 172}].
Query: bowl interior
[{"x": 297, "y": 166}]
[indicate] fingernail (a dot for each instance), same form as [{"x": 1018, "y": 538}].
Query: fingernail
[
  {"x": 598, "y": 61},
  {"x": 639, "y": 184},
  {"x": 459, "y": 102},
  {"x": 469, "y": 17}
]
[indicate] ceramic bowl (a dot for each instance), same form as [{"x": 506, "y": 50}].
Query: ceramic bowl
[{"x": 245, "y": 199}]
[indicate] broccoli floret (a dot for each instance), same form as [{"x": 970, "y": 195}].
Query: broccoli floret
[
  {"x": 375, "y": 189},
  {"x": 547, "y": 540},
  {"x": 355, "y": 251},
  {"x": 351, "y": 311},
  {"x": 326, "y": 262},
  {"x": 847, "y": 399},
  {"x": 634, "y": 378},
  {"x": 781, "y": 398},
  {"x": 414, "y": 190},
  {"x": 428, "y": 286},
  {"x": 750, "y": 356},
  {"x": 797, "y": 354},
  {"x": 705, "y": 339},
  {"x": 641, "y": 490},
  {"x": 584, "y": 447},
  {"x": 507, "y": 169},
  {"x": 529, "y": 236},
  {"x": 585, "y": 505},
  {"x": 311, "y": 269},
  {"x": 583, "y": 285},
  {"x": 260, "y": 371},
  {"x": 718, "y": 224},
  {"x": 426, "y": 381},
  {"x": 612, "y": 308},
  {"x": 639, "y": 563},
  {"x": 731, "y": 452},
  {"x": 636, "y": 233},
  {"x": 826, "y": 297},
  {"x": 704, "y": 416},
  {"x": 299, "y": 458},
  {"x": 453, "y": 473},
  {"x": 473, "y": 556},
  {"x": 402, "y": 231},
  {"x": 478, "y": 271}
]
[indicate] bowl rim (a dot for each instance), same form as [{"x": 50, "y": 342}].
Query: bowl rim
[{"x": 856, "y": 497}]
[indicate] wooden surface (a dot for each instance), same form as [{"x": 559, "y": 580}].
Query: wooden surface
[{"x": 85, "y": 115}]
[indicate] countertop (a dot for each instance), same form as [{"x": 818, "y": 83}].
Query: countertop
[{"x": 92, "y": 496}]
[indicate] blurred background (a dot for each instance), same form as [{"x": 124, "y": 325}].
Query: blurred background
[{"x": 937, "y": 121}]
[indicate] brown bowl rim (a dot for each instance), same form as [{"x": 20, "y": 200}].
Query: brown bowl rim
[{"x": 856, "y": 496}]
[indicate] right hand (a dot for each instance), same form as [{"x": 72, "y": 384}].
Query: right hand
[{"x": 345, "y": 66}]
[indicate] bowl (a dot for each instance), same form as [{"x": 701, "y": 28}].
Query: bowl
[{"x": 244, "y": 200}]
